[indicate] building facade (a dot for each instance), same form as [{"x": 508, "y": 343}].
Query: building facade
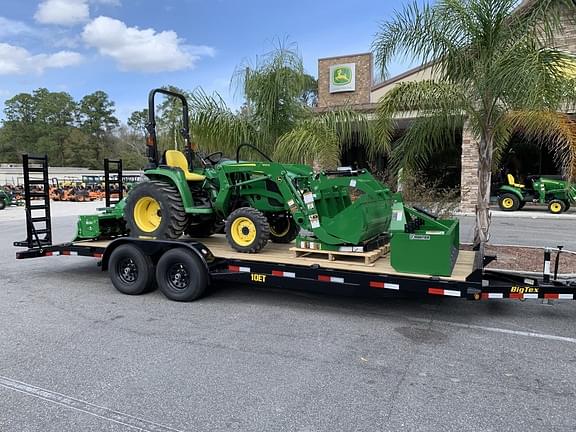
[{"x": 347, "y": 80}]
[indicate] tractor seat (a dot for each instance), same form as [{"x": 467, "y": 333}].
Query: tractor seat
[
  {"x": 512, "y": 182},
  {"x": 176, "y": 159}
]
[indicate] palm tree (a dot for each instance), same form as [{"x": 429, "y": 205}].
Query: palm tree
[
  {"x": 492, "y": 71},
  {"x": 278, "y": 115}
]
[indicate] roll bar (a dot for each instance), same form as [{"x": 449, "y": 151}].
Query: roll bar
[{"x": 151, "y": 140}]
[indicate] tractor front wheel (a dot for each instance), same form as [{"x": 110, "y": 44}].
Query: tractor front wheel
[
  {"x": 247, "y": 230},
  {"x": 508, "y": 202},
  {"x": 556, "y": 206},
  {"x": 154, "y": 209},
  {"x": 283, "y": 228}
]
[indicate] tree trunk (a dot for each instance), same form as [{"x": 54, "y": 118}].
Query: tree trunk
[{"x": 481, "y": 230}]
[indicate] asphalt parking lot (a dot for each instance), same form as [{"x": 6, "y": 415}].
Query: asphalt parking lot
[{"x": 77, "y": 355}]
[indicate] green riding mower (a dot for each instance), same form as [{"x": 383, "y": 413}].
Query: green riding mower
[
  {"x": 557, "y": 194},
  {"x": 255, "y": 202},
  {"x": 7, "y": 199}
]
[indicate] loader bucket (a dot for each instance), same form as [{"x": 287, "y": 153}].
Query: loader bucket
[{"x": 352, "y": 207}]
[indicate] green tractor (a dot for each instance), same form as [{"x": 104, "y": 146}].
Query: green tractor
[
  {"x": 6, "y": 199},
  {"x": 254, "y": 202},
  {"x": 557, "y": 194}
]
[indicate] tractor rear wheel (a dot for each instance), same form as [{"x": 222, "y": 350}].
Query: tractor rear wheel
[
  {"x": 247, "y": 230},
  {"x": 508, "y": 202},
  {"x": 556, "y": 206},
  {"x": 154, "y": 209},
  {"x": 283, "y": 229}
]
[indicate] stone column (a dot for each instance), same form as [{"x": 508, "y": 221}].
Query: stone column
[{"x": 469, "y": 175}]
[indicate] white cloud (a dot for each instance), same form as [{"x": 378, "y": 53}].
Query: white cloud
[
  {"x": 143, "y": 50},
  {"x": 16, "y": 60},
  {"x": 62, "y": 12},
  {"x": 10, "y": 27}
]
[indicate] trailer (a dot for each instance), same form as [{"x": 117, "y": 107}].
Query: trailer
[{"x": 184, "y": 269}]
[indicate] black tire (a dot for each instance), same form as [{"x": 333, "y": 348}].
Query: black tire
[
  {"x": 200, "y": 230},
  {"x": 131, "y": 271},
  {"x": 2, "y": 204},
  {"x": 556, "y": 206},
  {"x": 171, "y": 210},
  {"x": 181, "y": 275},
  {"x": 283, "y": 228},
  {"x": 257, "y": 231},
  {"x": 522, "y": 204},
  {"x": 508, "y": 202},
  {"x": 567, "y": 203}
]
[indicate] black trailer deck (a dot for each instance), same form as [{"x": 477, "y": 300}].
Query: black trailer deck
[{"x": 277, "y": 266}]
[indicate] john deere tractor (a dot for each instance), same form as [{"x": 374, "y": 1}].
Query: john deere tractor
[
  {"x": 558, "y": 194},
  {"x": 256, "y": 201}
]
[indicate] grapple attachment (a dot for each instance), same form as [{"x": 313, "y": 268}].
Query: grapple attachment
[{"x": 347, "y": 207}]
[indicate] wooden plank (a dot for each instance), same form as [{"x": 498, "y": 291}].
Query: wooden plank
[{"x": 363, "y": 258}]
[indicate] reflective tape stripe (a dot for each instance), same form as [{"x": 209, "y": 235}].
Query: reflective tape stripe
[
  {"x": 283, "y": 274},
  {"x": 559, "y": 296},
  {"x": 531, "y": 296},
  {"x": 444, "y": 292},
  {"x": 384, "y": 285},
  {"x": 239, "y": 269},
  {"x": 492, "y": 295},
  {"x": 334, "y": 279}
]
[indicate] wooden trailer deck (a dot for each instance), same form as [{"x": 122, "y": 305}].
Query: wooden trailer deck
[{"x": 281, "y": 254}]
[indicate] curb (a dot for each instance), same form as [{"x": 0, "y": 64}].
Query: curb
[
  {"x": 530, "y": 273},
  {"x": 523, "y": 215}
]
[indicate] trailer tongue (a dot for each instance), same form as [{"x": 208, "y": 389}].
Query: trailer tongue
[{"x": 427, "y": 260}]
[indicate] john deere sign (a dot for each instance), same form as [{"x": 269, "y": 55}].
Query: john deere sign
[{"x": 343, "y": 78}]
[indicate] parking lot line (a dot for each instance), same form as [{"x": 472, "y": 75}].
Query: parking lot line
[
  {"x": 498, "y": 330},
  {"x": 86, "y": 407}
]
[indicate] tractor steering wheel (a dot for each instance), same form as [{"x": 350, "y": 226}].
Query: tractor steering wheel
[{"x": 214, "y": 162}]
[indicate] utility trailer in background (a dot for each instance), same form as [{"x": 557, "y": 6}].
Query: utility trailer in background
[{"x": 184, "y": 269}]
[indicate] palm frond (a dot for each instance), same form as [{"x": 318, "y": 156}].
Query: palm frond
[
  {"x": 556, "y": 130},
  {"x": 425, "y": 137},
  {"x": 322, "y": 138},
  {"x": 214, "y": 127}
]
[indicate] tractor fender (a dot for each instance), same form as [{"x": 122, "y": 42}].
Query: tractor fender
[
  {"x": 176, "y": 177},
  {"x": 511, "y": 189}
]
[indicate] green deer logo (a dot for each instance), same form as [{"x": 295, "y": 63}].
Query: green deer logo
[{"x": 342, "y": 75}]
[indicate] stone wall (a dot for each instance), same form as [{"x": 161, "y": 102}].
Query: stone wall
[
  {"x": 469, "y": 175},
  {"x": 363, "y": 81}
]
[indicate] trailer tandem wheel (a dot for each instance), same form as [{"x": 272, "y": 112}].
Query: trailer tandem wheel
[
  {"x": 181, "y": 276},
  {"x": 131, "y": 271}
]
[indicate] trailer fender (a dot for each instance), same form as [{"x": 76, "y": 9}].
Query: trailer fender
[{"x": 155, "y": 249}]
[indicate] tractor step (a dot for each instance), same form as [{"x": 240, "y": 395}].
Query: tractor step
[{"x": 362, "y": 258}]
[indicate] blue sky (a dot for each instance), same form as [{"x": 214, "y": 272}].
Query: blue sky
[{"x": 126, "y": 47}]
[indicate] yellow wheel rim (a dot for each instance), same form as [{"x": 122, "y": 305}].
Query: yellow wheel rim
[
  {"x": 243, "y": 231},
  {"x": 555, "y": 208},
  {"x": 507, "y": 203},
  {"x": 147, "y": 214}
]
